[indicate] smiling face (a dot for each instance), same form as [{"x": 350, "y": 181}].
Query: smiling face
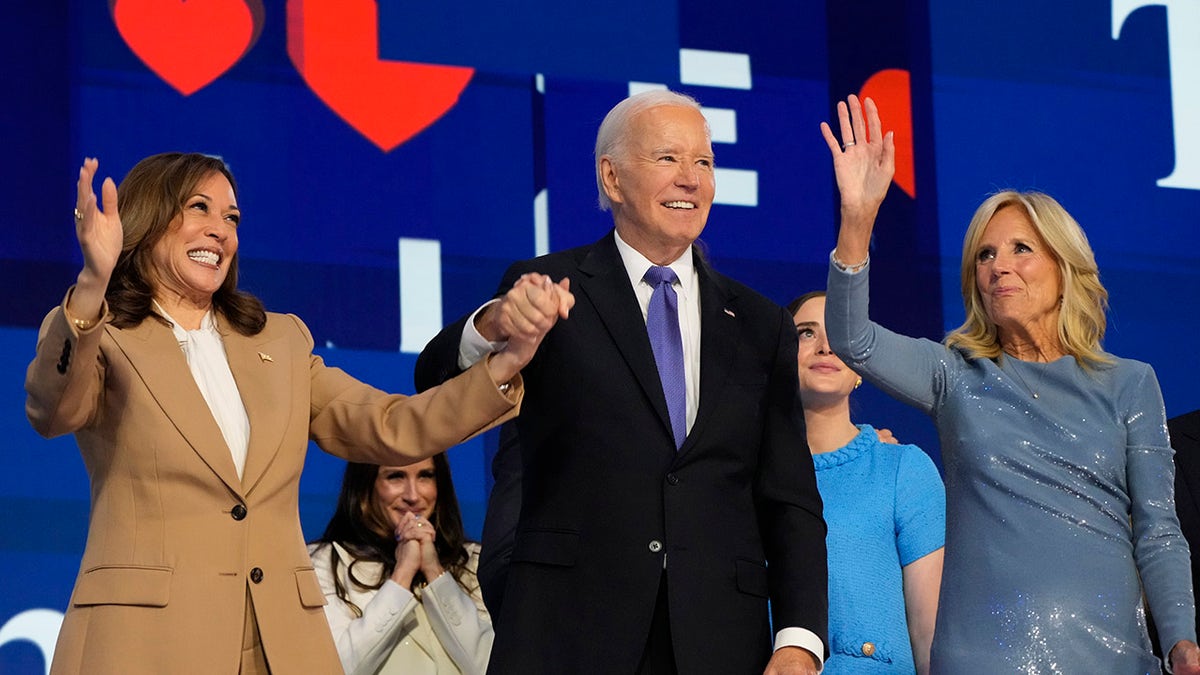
[
  {"x": 1018, "y": 278},
  {"x": 824, "y": 379},
  {"x": 660, "y": 181},
  {"x": 406, "y": 489},
  {"x": 191, "y": 260}
]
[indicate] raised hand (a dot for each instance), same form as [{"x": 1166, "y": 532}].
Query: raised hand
[
  {"x": 523, "y": 317},
  {"x": 99, "y": 231},
  {"x": 863, "y": 164},
  {"x": 100, "y": 239}
]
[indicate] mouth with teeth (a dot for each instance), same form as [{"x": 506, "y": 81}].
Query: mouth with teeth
[
  {"x": 205, "y": 256},
  {"x": 687, "y": 206}
]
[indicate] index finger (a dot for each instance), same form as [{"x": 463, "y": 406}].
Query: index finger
[{"x": 83, "y": 187}]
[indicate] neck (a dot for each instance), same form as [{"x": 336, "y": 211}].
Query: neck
[
  {"x": 828, "y": 426},
  {"x": 1036, "y": 341},
  {"x": 188, "y": 312},
  {"x": 658, "y": 252},
  {"x": 1043, "y": 351}
]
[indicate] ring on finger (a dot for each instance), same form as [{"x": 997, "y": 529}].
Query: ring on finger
[
  {"x": 78, "y": 215},
  {"x": 848, "y": 144}
]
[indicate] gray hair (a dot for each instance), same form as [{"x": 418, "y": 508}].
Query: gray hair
[{"x": 614, "y": 130}]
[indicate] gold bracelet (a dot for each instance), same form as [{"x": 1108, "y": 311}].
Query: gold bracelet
[{"x": 80, "y": 324}]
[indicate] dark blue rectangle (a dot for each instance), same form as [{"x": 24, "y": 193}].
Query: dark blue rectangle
[{"x": 624, "y": 39}]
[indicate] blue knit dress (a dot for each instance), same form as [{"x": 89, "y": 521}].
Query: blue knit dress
[{"x": 885, "y": 507}]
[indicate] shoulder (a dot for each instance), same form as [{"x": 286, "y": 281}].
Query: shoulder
[
  {"x": 285, "y": 326},
  {"x": 557, "y": 263},
  {"x": 747, "y": 297},
  {"x": 916, "y": 464},
  {"x": 1129, "y": 380},
  {"x": 1186, "y": 424}
]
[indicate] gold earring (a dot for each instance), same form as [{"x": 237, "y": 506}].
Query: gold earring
[{"x": 858, "y": 383}]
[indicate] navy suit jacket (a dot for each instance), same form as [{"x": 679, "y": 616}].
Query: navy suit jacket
[
  {"x": 608, "y": 503},
  {"x": 1185, "y": 439}
]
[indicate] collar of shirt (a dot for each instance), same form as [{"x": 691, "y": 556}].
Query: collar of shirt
[
  {"x": 636, "y": 265},
  {"x": 207, "y": 324}
]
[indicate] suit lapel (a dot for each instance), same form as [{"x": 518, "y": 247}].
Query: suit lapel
[
  {"x": 155, "y": 355},
  {"x": 719, "y": 334},
  {"x": 606, "y": 284},
  {"x": 262, "y": 369}
]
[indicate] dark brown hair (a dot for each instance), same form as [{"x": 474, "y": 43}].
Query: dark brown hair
[
  {"x": 149, "y": 199},
  {"x": 795, "y": 305},
  {"x": 361, "y": 527}
]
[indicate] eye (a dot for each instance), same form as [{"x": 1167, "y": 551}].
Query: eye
[
  {"x": 667, "y": 158},
  {"x": 395, "y": 475},
  {"x": 805, "y": 333},
  {"x": 427, "y": 474},
  {"x": 706, "y": 163},
  {"x": 234, "y": 218},
  {"x": 201, "y": 206},
  {"x": 985, "y": 255},
  {"x": 1021, "y": 247}
]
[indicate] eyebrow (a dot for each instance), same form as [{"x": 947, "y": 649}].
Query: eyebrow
[
  {"x": 232, "y": 207},
  {"x": 807, "y": 324}
]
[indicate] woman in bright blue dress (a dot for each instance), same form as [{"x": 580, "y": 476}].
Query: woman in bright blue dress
[{"x": 885, "y": 508}]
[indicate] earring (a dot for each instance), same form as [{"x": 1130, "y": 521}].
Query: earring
[{"x": 858, "y": 383}]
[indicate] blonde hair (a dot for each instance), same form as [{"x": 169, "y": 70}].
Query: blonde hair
[{"x": 1081, "y": 317}]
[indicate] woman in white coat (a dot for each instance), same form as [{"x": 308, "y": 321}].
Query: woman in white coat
[{"x": 399, "y": 576}]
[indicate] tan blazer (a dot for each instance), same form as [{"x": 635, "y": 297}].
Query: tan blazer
[{"x": 175, "y": 538}]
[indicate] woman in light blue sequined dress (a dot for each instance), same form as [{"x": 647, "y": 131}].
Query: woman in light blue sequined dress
[{"x": 1059, "y": 480}]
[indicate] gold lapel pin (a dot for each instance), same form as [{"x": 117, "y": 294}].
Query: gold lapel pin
[{"x": 265, "y": 357}]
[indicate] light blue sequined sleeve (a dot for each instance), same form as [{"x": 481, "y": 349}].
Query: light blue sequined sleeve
[
  {"x": 1159, "y": 547},
  {"x": 913, "y": 370}
]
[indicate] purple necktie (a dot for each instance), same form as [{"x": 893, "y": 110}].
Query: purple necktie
[{"x": 662, "y": 323}]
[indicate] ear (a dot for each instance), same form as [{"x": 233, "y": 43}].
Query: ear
[{"x": 608, "y": 176}]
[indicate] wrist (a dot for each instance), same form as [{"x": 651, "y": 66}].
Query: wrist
[
  {"x": 89, "y": 278},
  {"x": 850, "y": 267}
]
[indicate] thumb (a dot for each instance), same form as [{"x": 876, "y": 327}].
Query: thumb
[{"x": 567, "y": 299}]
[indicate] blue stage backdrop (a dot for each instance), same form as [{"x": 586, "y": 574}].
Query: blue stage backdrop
[{"x": 394, "y": 158}]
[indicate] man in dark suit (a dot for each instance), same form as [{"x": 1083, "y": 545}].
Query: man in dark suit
[
  {"x": 1185, "y": 438},
  {"x": 666, "y": 489}
]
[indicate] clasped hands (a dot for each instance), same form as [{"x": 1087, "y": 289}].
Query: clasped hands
[
  {"x": 416, "y": 551},
  {"x": 522, "y": 317}
]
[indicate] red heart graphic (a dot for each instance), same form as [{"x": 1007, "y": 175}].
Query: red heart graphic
[
  {"x": 334, "y": 44},
  {"x": 188, "y": 43},
  {"x": 891, "y": 91}
]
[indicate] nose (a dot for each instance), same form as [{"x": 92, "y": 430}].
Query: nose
[
  {"x": 688, "y": 176},
  {"x": 218, "y": 232},
  {"x": 408, "y": 492},
  {"x": 1002, "y": 264},
  {"x": 823, "y": 345}
]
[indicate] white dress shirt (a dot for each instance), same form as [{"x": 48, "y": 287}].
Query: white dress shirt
[{"x": 206, "y": 359}]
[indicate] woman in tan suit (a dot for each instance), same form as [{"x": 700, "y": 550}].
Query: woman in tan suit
[
  {"x": 399, "y": 574},
  {"x": 193, "y": 408}
]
